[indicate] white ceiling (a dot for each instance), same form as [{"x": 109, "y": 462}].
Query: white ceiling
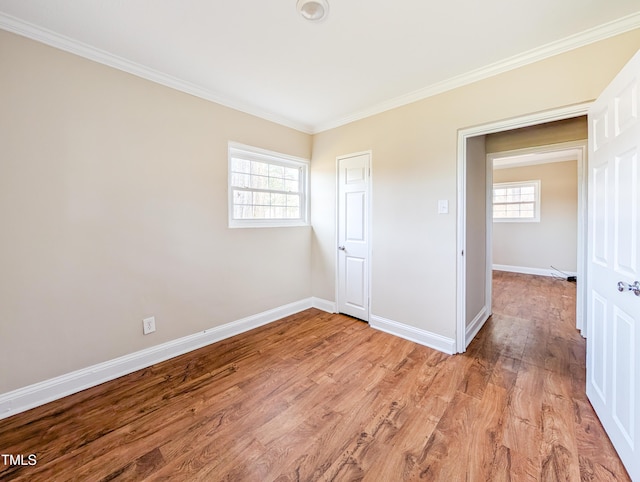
[{"x": 261, "y": 57}]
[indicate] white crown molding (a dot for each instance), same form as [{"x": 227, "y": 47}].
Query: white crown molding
[
  {"x": 572, "y": 42},
  {"x": 601, "y": 32},
  {"x": 53, "y": 39}
]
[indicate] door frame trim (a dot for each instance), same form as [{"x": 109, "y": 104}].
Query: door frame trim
[
  {"x": 580, "y": 150},
  {"x": 367, "y": 227},
  {"x": 464, "y": 134}
]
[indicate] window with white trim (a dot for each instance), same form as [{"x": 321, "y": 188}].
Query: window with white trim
[
  {"x": 516, "y": 201},
  {"x": 266, "y": 188}
]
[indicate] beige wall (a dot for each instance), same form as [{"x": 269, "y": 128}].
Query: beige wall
[
  {"x": 414, "y": 165},
  {"x": 574, "y": 129},
  {"x": 113, "y": 202},
  {"x": 552, "y": 241},
  {"x": 476, "y": 228}
]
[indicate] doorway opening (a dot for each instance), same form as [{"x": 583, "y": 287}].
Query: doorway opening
[
  {"x": 475, "y": 223},
  {"x": 548, "y": 245}
]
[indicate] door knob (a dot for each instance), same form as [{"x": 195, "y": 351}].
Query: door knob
[
  {"x": 342, "y": 248},
  {"x": 635, "y": 287}
]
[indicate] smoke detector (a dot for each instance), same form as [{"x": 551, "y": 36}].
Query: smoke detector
[{"x": 313, "y": 10}]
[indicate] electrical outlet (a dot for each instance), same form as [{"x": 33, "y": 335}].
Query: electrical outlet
[{"x": 149, "y": 325}]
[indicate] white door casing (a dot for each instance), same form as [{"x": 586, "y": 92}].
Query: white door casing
[
  {"x": 461, "y": 238},
  {"x": 613, "y": 256},
  {"x": 353, "y": 235}
]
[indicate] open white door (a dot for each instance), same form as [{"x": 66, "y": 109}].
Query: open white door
[
  {"x": 353, "y": 235},
  {"x": 613, "y": 316}
]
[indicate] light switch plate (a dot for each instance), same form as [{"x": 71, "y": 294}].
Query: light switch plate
[{"x": 443, "y": 206}]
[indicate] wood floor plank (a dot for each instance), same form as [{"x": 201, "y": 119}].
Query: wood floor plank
[
  {"x": 319, "y": 396},
  {"x": 559, "y": 457}
]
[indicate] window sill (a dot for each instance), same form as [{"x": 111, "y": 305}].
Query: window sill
[{"x": 266, "y": 224}]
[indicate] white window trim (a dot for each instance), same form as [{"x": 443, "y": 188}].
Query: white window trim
[
  {"x": 271, "y": 157},
  {"x": 536, "y": 212}
]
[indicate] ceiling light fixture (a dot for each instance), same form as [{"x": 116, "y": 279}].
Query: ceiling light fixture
[{"x": 313, "y": 10}]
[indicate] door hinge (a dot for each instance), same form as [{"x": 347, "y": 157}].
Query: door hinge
[{"x": 462, "y": 254}]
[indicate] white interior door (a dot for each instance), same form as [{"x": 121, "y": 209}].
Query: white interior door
[
  {"x": 613, "y": 316},
  {"x": 353, "y": 235}
]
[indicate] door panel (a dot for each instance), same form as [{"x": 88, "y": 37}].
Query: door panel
[
  {"x": 354, "y": 296},
  {"x": 623, "y": 381},
  {"x": 355, "y": 211},
  {"x": 625, "y": 208},
  {"x": 600, "y": 177},
  {"x": 598, "y": 337},
  {"x": 614, "y": 315},
  {"x": 353, "y": 235}
]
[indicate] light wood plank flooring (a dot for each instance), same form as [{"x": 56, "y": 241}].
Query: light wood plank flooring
[{"x": 317, "y": 396}]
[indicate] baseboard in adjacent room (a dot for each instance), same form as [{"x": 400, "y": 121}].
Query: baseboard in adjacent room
[{"x": 535, "y": 271}]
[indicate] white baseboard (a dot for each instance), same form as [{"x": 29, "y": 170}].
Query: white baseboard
[
  {"x": 40, "y": 393},
  {"x": 423, "y": 337},
  {"x": 476, "y": 324},
  {"x": 525, "y": 270},
  {"x": 324, "y": 305}
]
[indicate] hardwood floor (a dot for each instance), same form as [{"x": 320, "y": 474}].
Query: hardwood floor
[{"x": 318, "y": 396}]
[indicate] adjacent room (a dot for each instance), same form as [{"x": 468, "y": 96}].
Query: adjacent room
[{"x": 255, "y": 240}]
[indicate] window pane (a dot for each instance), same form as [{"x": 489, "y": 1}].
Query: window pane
[
  {"x": 243, "y": 212},
  {"x": 242, "y": 197},
  {"x": 260, "y": 212},
  {"x": 241, "y": 165},
  {"x": 292, "y": 173},
  {"x": 516, "y": 200},
  {"x": 293, "y": 213},
  {"x": 261, "y": 198},
  {"x": 240, "y": 180},
  {"x": 276, "y": 183},
  {"x": 259, "y": 182},
  {"x": 265, "y": 190},
  {"x": 278, "y": 212},
  {"x": 260, "y": 168},
  {"x": 513, "y": 209},
  {"x": 293, "y": 200},
  {"x": 291, "y": 186},
  {"x": 278, "y": 199}
]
